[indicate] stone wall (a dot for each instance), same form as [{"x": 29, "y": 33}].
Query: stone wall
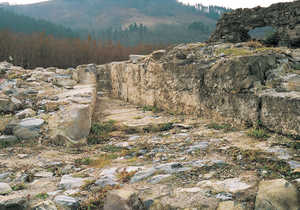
[
  {"x": 49, "y": 103},
  {"x": 199, "y": 80},
  {"x": 284, "y": 17}
]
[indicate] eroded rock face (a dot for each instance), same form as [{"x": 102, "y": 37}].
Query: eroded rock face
[
  {"x": 229, "y": 82},
  {"x": 234, "y": 26}
]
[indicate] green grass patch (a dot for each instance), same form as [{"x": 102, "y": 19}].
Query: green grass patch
[
  {"x": 225, "y": 127},
  {"x": 158, "y": 128},
  {"x": 42, "y": 196},
  {"x": 258, "y": 133},
  {"x": 103, "y": 160},
  {"x": 100, "y": 132},
  {"x": 19, "y": 186},
  {"x": 153, "y": 109},
  {"x": 83, "y": 161},
  {"x": 111, "y": 148}
]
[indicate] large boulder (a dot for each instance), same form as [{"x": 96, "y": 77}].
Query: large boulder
[
  {"x": 72, "y": 124},
  {"x": 277, "y": 195}
]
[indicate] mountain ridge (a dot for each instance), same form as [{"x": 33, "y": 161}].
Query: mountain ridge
[{"x": 95, "y": 15}]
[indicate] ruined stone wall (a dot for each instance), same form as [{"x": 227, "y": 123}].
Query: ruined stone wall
[
  {"x": 284, "y": 17},
  {"x": 240, "y": 89}
]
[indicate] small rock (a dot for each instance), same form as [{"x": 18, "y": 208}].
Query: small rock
[
  {"x": 18, "y": 203},
  {"x": 4, "y": 176},
  {"x": 9, "y": 140},
  {"x": 68, "y": 182},
  {"x": 26, "y": 114},
  {"x": 4, "y": 188},
  {"x": 106, "y": 181},
  {"x": 28, "y": 128},
  {"x": 191, "y": 190},
  {"x": 277, "y": 194},
  {"x": 43, "y": 174},
  {"x": 199, "y": 146},
  {"x": 171, "y": 168},
  {"x": 136, "y": 58},
  {"x": 230, "y": 205},
  {"x": 66, "y": 202},
  {"x": 224, "y": 196},
  {"x": 123, "y": 200},
  {"x": 156, "y": 55},
  {"x": 159, "y": 178},
  {"x": 233, "y": 185},
  {"x": 45, "y": 205},
  {"x": 142, "y": 175},
  {"x": 31, "y": 123}
]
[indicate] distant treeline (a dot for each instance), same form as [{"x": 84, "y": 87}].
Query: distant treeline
[
  {"x": 41, "y": 50},
  {"x": 167, "y": 34}
]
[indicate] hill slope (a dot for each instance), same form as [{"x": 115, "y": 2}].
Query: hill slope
[
  {"x": 20, "y": 23},
  {"x": 103, "y": 14}
]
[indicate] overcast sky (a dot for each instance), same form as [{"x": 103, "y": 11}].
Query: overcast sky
[{"x": 226, "y": 3}]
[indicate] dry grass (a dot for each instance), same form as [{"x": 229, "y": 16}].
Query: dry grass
[
  {"x": 125, "y": 176},
  {"x": 254, "y": 44},
  {"x": 103, "y": 160}
]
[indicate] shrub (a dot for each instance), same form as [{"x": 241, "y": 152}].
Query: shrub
[{"x": 99, "y": 132}]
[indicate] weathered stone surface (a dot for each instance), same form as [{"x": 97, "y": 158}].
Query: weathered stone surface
[
  {"x": 64, "y": 82},
  {"x": 241, "y": 87},
  {"x": 9, "y": 140},
  {"x": 230, "y": 205},
  {"x": 45, "y": 205},
  {"x": 20, "y": 203},
  {"x": 27, "y": 113},
  {"x": 66, "y": 202},
  {"x": 68, "y": 182},
  {"x": 123, "y": 199},
  {"x": 28, "y": 128},
  {"x": 106, "y": 181},
  {"x": 228, "y": 185},
  {"x": 6, "y": 104},
  {"x": 277, "y": 195},
  {"x": 234, "y": 26},
  {"x": 4, "y": 188},
  {"x": 72, "y": 122}
]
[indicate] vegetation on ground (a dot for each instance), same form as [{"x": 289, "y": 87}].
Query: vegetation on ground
[
  {"x": 258, "y": 133},
  {"x": 103, "y": 160},
  {"x": 225, "y": 127},
  {"x": 100, "y": 132},
  {"x": 42, "y": 196}
]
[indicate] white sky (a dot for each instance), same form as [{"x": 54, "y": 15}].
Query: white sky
[{"x": 227, "y": 3}]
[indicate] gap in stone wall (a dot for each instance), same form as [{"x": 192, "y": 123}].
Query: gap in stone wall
[{"x": 267, "y": 35}]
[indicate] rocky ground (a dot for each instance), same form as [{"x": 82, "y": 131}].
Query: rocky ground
[
  {"x": 149, "y": 159},
  {"x": 133, "y": 157}
]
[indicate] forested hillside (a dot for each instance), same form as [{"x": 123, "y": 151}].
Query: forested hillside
[
  {"x": 130, "y": 21},
  {"x": 20, "y": 23}
]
